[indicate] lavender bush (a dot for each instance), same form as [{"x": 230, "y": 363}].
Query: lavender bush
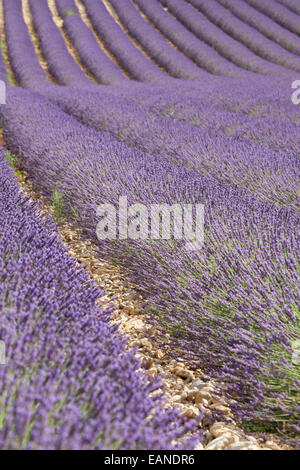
[
  {"x": 68, "y": 382},
  {"x": 87, "y": 47}
]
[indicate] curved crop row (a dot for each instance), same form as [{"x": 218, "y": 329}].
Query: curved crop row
[
  {"x": 202, "y": 54},
  {"x": 87, "y": 47},
  {"x": 263, "y": 24},
  {"x": 118, "y": 43},
  {"x": 255, "y": 112},
  {"x": 278, "y": 13},
  {"x": 271, "y": 175},
  {"x": 230, "y": 307},
  {"x": 247, "y": 35},
  {"x": 3, "y": 71},
  {"x": 257, "y": 98},
  {"x": 68, "y": 382},
  {"x": 262, "y": 124},
  {"x": 292, "y": 5},
  {"x": 23, "y": 59},
  {"x": 60, "y": 63},
  {"x": 215, "y": 37},
  {"x": 155, "y": 44}
]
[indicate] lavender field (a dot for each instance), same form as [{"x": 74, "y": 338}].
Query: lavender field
[{"x": 161, "y": 102}]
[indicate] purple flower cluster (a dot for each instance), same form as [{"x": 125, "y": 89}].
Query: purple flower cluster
[
  {"x": 68, "y": 382},
  {"x": 87, "y": 47}
]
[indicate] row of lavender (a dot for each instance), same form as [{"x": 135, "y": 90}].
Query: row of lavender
[
  {"x": 264, "y": 24},
  {"x": 173, "y": 61},
  {"x": 280, "y": 14},
  {"x": 91, "y": 55},
  {"x": 68, "y": 382},
  {"x": 253, "y": 39},
  {"x": 155, "y": 44},
  {"x": 292, "y": 5},
  {"x": 229, "y": 58},
  {"x": 67, "y": 72},
  {"x": 224, "y": 54},
  {"x": 60, "y": 63},
  {"x": 118, "y": 43},
  {"x": 256, "y": 97},
  {"x": 260, "y": 109},
  {"x": 23, "y": 59},
  {"x": 273, "y": 176},
  {"x": 230, "y": 307},
  {"x": 234, "y": 309}
]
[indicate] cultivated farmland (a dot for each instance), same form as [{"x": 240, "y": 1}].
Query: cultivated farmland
[{"x": 130, "y": 338}]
